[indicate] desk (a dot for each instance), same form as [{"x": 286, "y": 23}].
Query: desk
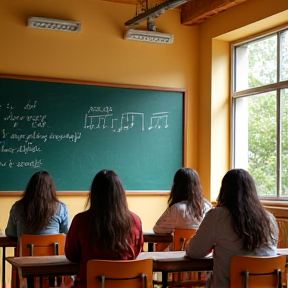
[
  {"x": 149, "y": 237},
  {"x": 152, "y": 238},
  {"x": 59, "y": 265},
  {"x": 6, "y": 242},
  {"x": 43, "y": 265},
  {"x": 176, "y": 261}
]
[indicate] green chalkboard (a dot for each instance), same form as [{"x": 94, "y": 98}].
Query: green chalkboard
[{"x": 75, "y": 129}]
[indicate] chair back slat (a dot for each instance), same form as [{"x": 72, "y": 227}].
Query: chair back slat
[
  {"x": 120, "y": 273},
  {"x": 181, "y": 238},
  {"x": 257, "y": 271},
  {"x": 42, "y": 245}
]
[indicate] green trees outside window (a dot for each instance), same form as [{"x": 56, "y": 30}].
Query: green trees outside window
[{"x": 260, "y": 102}]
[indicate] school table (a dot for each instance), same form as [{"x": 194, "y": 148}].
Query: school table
[
  {"x": 165, "y": 262},
  {"x": 151, "y": 238},
  {"x": 6, "y": 242}
]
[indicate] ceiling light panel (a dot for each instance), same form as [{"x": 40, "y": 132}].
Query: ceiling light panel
[{"x": 54, "y": 24}]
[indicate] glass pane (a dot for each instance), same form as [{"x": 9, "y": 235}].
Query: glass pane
[
  {"x": 255, "y": 140},
  {"x": 256, "y": 63},
  {"x": 284, "y": 143},
  {"x": 284, "y": 56}
]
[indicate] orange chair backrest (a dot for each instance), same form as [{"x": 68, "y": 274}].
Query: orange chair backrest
[
  {"x": 42, "y": 245},
  {"x": 181, "y": 238},
  {"x": 120, "y": 273},
  {"x": 261, "y": 271}
]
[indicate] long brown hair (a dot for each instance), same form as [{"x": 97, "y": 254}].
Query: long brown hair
[
  {"x": 187, "y": 186},
  {"x": 39, "y": 201},
  {"x": 110, "y": 219},
  {"x": 249, "y": 219}
]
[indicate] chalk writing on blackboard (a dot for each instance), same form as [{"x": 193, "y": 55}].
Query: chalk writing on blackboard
[
  {"x": 128, "y": 120},
  {"x": 97, "y": 117},
  {"x": 157, "y": 119},
  {"x": 36, "y": 163}
]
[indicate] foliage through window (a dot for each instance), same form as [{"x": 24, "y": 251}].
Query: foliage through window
[{"x": 260, "y": 111}]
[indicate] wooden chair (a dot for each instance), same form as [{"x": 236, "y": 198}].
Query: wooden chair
[
  {"x": 256, "y": 272},
  {"x": 181, "y": 238},
  {"x": 42, "y": 245},
  {"x": 119, "y": 273}
]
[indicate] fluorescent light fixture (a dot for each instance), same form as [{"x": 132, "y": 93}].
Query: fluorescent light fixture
[
  {"x": 148, "y": 36},
  {"x": 54, "y": 24}
]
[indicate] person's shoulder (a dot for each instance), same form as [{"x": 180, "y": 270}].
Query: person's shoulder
[
  {"x": 135, "y": 216},
  {"x": 63, "y": 206},
  {"x": 207, "y": 203},
  {"x": 82, "y": 217},
  {"x": 271, "y": 216},
  {"x": 179, "y": 205},
  {"x": 218, "y": 211},
  {"x": 17, "y": 205}
]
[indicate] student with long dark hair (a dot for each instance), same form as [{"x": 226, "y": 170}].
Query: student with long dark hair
[
  {"x": 239, "y": 225},
  {"x": 39, "y": 211},
  {"x": 186, "y": 204},
  {"x": 107, "y": 230}
]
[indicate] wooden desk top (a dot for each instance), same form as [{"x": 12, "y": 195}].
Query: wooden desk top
[
  {"x": 8, "y": 242},
  {"x": 177, "y": 261},
  {"x": 44, "y": 265},
  {"x": 60, "y": 265},
  {"x": 151, "y": 237},
  {"x": 173, "y": 261}
]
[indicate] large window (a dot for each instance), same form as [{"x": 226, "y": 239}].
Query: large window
[{"x": 260, "y": 110}]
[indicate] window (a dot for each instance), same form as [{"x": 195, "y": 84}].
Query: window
[{"x": 260, "y": 110}]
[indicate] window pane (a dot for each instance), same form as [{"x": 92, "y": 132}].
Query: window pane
[
  {"x": 256, "y": 63},
  {"x": 284, "y": 143},
  {"x": 284, "y": 56},
  {"x": 255, "y": 140}
]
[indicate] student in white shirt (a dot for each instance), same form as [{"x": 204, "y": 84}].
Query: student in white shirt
[
  {"x": 186, "y": 204},
  {"x": 239, "y": 225}
]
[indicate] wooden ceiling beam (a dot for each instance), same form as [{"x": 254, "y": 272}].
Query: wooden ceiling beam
[{"x": 197, "y": 11}]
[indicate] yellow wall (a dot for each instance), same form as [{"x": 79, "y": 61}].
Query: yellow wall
[
  {"x": 99, "y": 53},
  {"x": 215, "y": 36},
  {"x": 197, "y": 60}
]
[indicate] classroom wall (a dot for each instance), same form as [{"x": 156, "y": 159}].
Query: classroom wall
[
  {"x": 215, "y": 36},
  {"x": 198, "y": 60},
  {"x": 99, "y": 53}
]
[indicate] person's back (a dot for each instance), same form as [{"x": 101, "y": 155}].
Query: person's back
[
  {"x": 187, "y": 206},
  {"x": 222, "y": 230},
  {"x": 107, "y": 230},
  {"x": 38, "y": 211},
  {"x": 178, "y": 216}
]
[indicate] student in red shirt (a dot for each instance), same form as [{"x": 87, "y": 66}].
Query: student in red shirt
[{"x": 107, "y": 230}]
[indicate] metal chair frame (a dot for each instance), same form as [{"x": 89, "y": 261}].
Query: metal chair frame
[{"x": 141, "y": 276}]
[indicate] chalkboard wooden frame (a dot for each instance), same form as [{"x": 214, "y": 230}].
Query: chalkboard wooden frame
[{"x": 104, "y": 84}]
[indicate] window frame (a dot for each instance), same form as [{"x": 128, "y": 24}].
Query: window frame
[{"x": 277, "y": 86}]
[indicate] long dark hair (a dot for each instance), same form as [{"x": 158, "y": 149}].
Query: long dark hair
[
  {"x": 110, "y": 219},
  {"x": 187, "y": 186},
  {"x": 39, "y": 200},
  {"x": 249, "y": 219}
]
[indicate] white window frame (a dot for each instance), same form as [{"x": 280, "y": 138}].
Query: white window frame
[{"x": 254, "y": 91}]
